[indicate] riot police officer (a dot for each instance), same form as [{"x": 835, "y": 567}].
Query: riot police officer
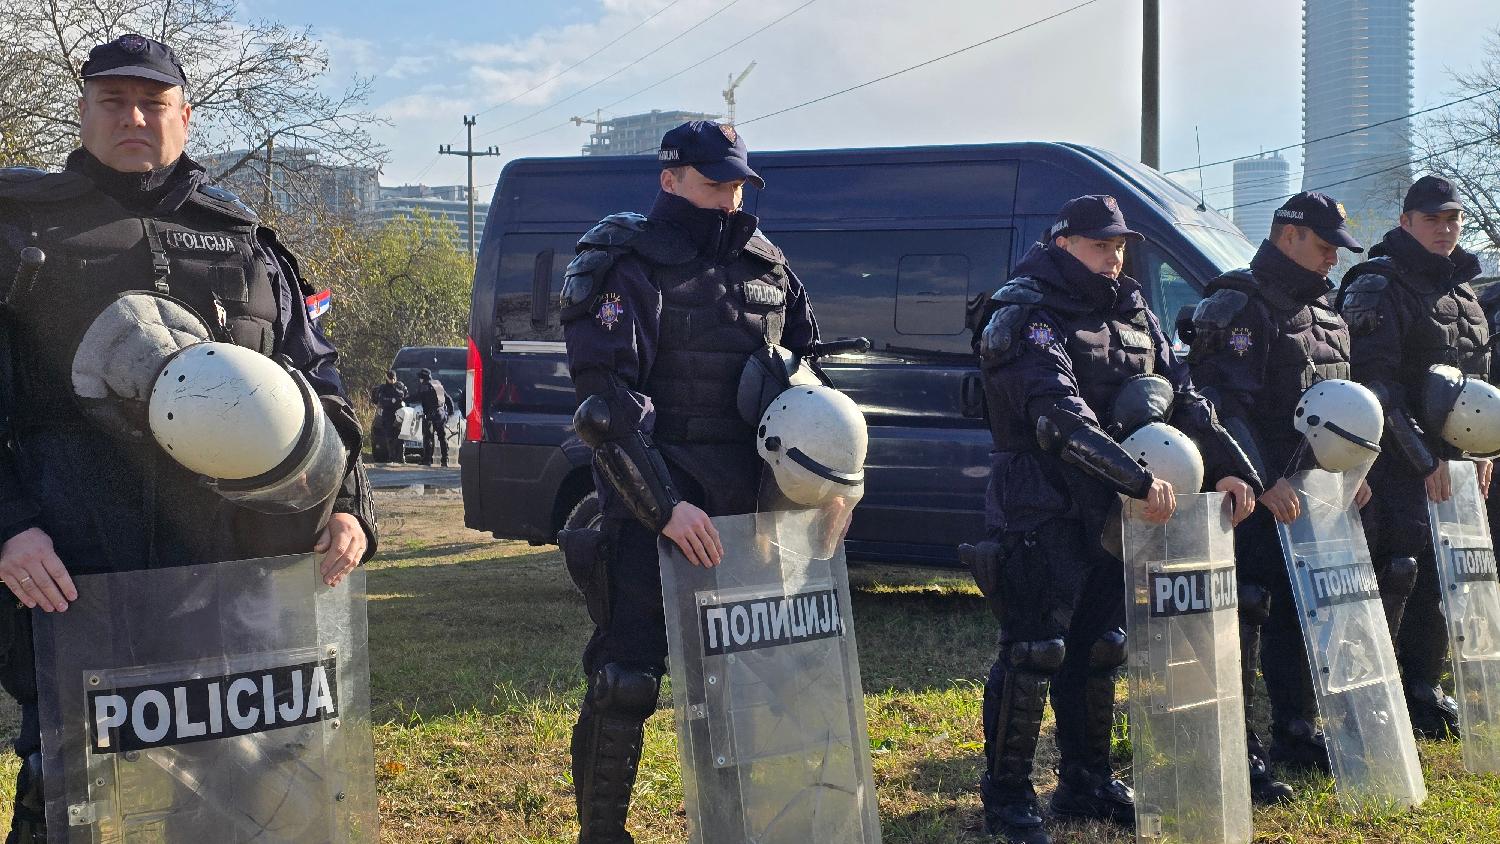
[
  {"x": 1260, "y": 337},
  {"x": 436, "y": 406},
  {"x": 1409, "y": 307},
  {"x": 661, "y": 314},
  {"x": 389, "y": 398},
  {"x": 1068, "y": 332},
  {"x": 117, "y": 259}
]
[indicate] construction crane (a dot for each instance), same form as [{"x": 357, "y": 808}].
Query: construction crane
[{"x": 729, "y": 92}]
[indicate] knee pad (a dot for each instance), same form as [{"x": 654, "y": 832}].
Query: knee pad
[
  {"x": 1042, "y": 656},
  {"x": 1108, "y": 652},
  {"x": 622, "y": 691},
  {"x": 1398, "y": 576},
  {"x": 1255, "y": 603}
]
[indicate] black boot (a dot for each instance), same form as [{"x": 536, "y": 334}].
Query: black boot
[
  {"x": 1093, "y": 793},
  {"x": 607, "y": 749},
  {"x": 29, "y": 823},
  {"x": 1265, "y": 789},
  {"x": 1014, "y": 698},
  {"x": 1434, "y": 715},
  {"x": 1086, "y": 785},
  {"x": 1299, "y": 746},
  {"x": 1016, "y": 823}
]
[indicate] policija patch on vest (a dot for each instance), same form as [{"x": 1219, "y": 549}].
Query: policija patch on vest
[
  {"x": 184, "y": 241},
  {"x": 611, "y": 309},
  {"x": 1240, "y": 341},
  {"x": 1040, "y": 334}
]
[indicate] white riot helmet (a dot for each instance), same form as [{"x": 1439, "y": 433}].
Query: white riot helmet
[
  {"x": 1168, "y": 454},
  {"x": 1342, "y": 422},
  {"x": 814, "y": 439},
  {"x": 1464, "y": 410},
  {"x": 253, "y": 427}
]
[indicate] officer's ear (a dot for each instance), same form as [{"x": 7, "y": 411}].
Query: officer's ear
[{"x": 668, "y": 180}]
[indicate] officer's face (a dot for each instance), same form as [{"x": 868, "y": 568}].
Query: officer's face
[
  {"x": 133, "y": 125},
  {"x": 1436, "y": 231},
  {"x": 1105, "y": 257},
  {"x": 1308, "y": 251},
  {"x": 703, "y": 191}
]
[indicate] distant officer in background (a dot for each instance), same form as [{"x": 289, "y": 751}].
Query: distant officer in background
[
  {"x": 1410, "y": 307},
  {"x": 1069, "y": 331},
  {"x": 1260, "y": 337},
  {"x": 437, "y": 405},
  {"x": 389, "y": 398}
]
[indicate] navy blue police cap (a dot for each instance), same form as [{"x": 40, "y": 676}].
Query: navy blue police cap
[
  {"x": 715, "y": 149},
  {"x": 1431, "y": 194},
  {"x": 135, "y": 55},
  {"x": 1097, "y": 216},
  {"x": 1321, "y": 213}
]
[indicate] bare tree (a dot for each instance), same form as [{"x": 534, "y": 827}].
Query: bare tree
[
  {"x": 253, "y": 86},
  {"x": 1463, "y": 144}
]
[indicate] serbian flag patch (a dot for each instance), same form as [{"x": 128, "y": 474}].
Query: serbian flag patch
[{"x": 319, "y": 303}]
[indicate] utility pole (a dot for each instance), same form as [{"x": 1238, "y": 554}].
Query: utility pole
[
  {"x": 1151, "y": 85},
  {"x": 729, "y": 92},
  {"x": 270, "y": 145},
  {"x": 470, "y": 154}
]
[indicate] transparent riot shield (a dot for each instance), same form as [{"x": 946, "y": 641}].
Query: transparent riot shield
[
  {"x": 765, "y": 684},
  {"x": 1370, "y": 744},
  {"x": 1187, "y": 712},
  {"x": 1471, "y": 602},
  {"x": 224, "y": 703}
]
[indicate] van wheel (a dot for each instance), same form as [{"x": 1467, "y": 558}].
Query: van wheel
[{"x": 585, "y": 514}]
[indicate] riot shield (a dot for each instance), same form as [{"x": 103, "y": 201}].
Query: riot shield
[
  {"x": 1471, "y": 602},
  {"x": 765, "y": 686},
  {"x": 1371, "y": 748},
  {"x": 226, "y": 702},
  {"x": 1187, "y": 713}
]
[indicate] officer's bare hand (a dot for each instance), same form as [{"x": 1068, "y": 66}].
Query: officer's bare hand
[
  {"x": 1362, "y": 495},
  {"x": 1282, "y": 501},
  {"x": 342, "y": 544},
  {"x": 1241, "y": 495},
  {"x": 1161, "y": 502},
  {"x": 1439, "y": 484},
  {"x": 31, "y": 569},
  {"x": 1485, "y": 469},
  {"x": 695, "y": 534}
]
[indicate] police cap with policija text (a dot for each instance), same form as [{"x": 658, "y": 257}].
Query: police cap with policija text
[
  {"x": 1096, "y": 216},
  {"x": 1321, "y": 213},
  {"x": 714, "y": 149}
]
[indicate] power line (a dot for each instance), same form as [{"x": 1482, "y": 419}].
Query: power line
[
  {"x": 721, "y": 10},
  {"x": 1406, "y": 163},
  {"x": 1336, "y": 134},
  {"x": 1306, "y": 172},
  {"x": 921, "y": 64}
]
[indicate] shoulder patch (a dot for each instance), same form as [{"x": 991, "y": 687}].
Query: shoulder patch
[
  {"x": 28, "y": 184},
  {"x": 1359, "y": 302},
  {"x": 614, "y": 230},
  {"x": 223, "y": 201},
  {"x": 582, "y": 281},
  {"x": 1019, "y": 291},
  {"x": 761, "y": 246},
  {"x": 998, "y": 342}
]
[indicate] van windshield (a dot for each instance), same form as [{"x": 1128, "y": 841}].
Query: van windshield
[{"x": 1228, "y": 250}]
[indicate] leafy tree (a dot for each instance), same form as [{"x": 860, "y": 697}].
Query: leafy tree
[{"x": 1463, "y": 144}]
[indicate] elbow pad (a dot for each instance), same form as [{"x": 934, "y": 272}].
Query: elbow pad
[
  {"x": 1407, "y": 439},
  {"x": 1241, "y": 455},
  {"x": 629, "y": 463},
  {"x": 1080, "y": 444}
]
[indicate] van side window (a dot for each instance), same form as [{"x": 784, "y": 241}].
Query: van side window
[
  {"x": 1165, "y": 285},
  {"x": 931, "y": 292},
  {"x": 528, "y": 283}
]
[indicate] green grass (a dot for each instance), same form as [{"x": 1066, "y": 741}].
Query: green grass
[{"x": 476, "y": 681}]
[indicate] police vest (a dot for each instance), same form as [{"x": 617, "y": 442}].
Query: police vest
[
  {"x": 1444, "y": 324},
  {"x": 204, "y": 254},
  {"x": 712, "y": 319}
]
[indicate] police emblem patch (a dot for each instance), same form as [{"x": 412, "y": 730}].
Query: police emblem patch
[
  {"x": 132, "y": 43},
  {"x": 1040, "y": 334},
  {"x": 1343, "y": 215},
  {"x": 728, "y": 131},
  {"x": 610, "y": 311},
  {"x": 1111, "y": 204},
  {"x": 1240, "y": 341}
]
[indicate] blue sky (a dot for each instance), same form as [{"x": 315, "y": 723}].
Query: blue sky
[{"x": 1232, "y": 68}]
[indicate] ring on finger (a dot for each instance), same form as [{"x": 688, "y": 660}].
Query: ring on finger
[{"x": 26, "y": 579}]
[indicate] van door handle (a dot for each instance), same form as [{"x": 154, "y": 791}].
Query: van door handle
[{"x": 971, "y": 396}]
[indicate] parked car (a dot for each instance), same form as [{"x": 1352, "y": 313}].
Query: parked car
[
  {"x": 447, "y": 364},
  {"x": 900, "y": 245}
]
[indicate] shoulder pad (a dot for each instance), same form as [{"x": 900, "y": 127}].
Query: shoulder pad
[
  {"x": 582, "y": 281},
  {"x": 1219, "y": 309},
  {"x": 225, "y": 202},
  {"x": 271, "y": 243},
  {"x": 1359, "y": 301},
  {"x": 614, "y": 230},
  {"x": 1236, "y": 279},
  {"x": 998, "y": 342},
  {"x": 28, "y": 184},
  {"x": 1019, "y": 291},
  {"x": 761, "y": 246},
  {"x": 664, "y": 244}
]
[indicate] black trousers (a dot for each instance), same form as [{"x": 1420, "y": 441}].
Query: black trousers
[
  {"x": 433, "y": 428},
  {"x": 1396, "y": 525},
  {"x": 1283, "y": 652}
]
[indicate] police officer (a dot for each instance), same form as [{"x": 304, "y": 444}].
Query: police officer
[
  {"x": 1069, "y": 331},
  {"x": 389, "y": 398},
  {"x": 661, "y": 314},
  {"x": 82, "y": 488},
  {"x": 1260, "y": 337},
  {"x": 1409, "y": 307},
  {"x": 436, "y": 406}
]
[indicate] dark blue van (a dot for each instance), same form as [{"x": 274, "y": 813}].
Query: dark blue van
[{"x": 900, "y": 245}]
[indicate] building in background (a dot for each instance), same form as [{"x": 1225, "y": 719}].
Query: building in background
[
  {"x": 450, "y": 202},
  {"x": 1260, "y": 186},
  {"x": 298, "y": 182},
  {"x": 634, "y": 134},
  {"x": 1357, "y": 72}
]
